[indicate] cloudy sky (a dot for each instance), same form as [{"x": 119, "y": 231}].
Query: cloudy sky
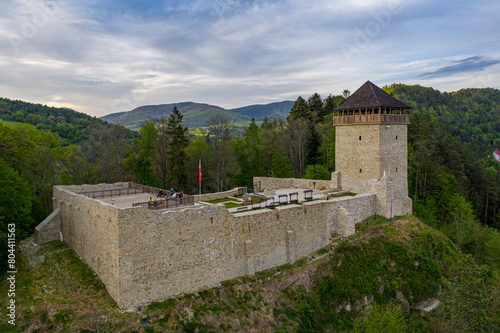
[{"x": 104, "y": 56}]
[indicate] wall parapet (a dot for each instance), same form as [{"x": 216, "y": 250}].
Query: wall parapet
[
  {"x": 219, "y": 195},
  {"x": 270, "y": 183}
]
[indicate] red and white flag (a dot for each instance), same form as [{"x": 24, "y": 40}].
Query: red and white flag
[{"x": 199, "y": 172}]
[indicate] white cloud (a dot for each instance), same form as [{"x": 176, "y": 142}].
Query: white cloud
[{"x": 102, "y": 56}]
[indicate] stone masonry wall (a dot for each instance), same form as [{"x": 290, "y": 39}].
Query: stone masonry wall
[
  {"x": 50, "y": 228},
  {"x": 218, "y": 195},
  {"x": 269, "y": 183},
  {"x": 173, "y": 252},
  {"x": 364, "y": 152},
  {"x": 358, "y": 160},
  {"x": 90, "y": 228},
  {"x": 280, "y": 236},
  {"x": 144, "y": 256},
  {"x": 96, "y": 187},
  {"x": 163, "y": 254}
]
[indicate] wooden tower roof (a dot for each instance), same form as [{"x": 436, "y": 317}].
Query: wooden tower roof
[{"x": 371, "y": 96}]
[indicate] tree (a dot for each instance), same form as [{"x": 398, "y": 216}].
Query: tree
[
  {"x": 254, "y": 148},
  {"x": 326, "y": 133},
  {"x": 106, "y": 149},
  {"x": 317, "y": 172},
  {"x": 220, "y": 134},
  {"x": 294, "y": 143},
  {"x": 76, "y": 168},
  {"x": 161, "y": 162},
  {"x": 346, "y": 93},
  {"x": 178, "y": 141},
  {"x": 141, "y": 162},
  {"x": 15, "y": 208},
  {"x": 300, "y": 110},
  {"x": 274, "y": 149},
  {"x": 491, "y": 174},
  {"x": 315, "y": 105},
  {"x": 330, "y": 103}
]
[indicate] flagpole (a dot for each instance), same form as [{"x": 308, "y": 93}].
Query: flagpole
[{"x": 199, "y": 177}]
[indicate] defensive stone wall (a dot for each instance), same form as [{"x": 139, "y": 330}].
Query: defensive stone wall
[
  {"x": 97, "y": 187},
  {"x": 163, "y": 254},
  {"x": 219, "y": 195},
  {"x": 172, "y": 252},
  {"x": 90, "y": 228},
  {"x": 146, "y": 255},
  {"x": 269, "y": 183}
]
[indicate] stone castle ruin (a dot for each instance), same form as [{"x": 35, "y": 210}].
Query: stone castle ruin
[{"x": 144, "y": 255}]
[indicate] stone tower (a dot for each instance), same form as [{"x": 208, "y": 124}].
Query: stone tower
[{"x": 371, "y": 147}]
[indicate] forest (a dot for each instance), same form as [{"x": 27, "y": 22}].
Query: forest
[{"x": 454, "y": 181}]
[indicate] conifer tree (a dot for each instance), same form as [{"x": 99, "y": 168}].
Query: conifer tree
[
  {"x": 300, "y": 110},
  {"x": 178, "y": 141}
]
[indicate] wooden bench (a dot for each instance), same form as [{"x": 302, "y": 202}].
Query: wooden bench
[
  {"x": 308, "y": 194},
  {"x": 281, "y": 196},
  {"x": 270, "y": 202},
  {"x": 257, "y": 201}
]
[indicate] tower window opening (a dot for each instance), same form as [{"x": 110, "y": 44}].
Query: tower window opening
[
  {"x": 360, "y": 138},
  {"x": 360, "y": 170},
  {"x": 396, "y": 137},
  {"x": 396, "y": 169}
]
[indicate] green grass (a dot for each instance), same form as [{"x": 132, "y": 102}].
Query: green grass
[
  {"x": 232, "y": 205},
  {"x": 226, "y": 199},
  {"x": 164, "y": 306},
  {"x": 345, "y": 195},
  {"x": 252, "y": 197}
]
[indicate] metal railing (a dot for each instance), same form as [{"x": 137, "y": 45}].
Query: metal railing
[
  {"x": 112, "y": 192},
  {"x": 132, "y": 189},
  {"x": 186, "y": 200}
]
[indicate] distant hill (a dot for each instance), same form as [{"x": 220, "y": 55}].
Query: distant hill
[
  {"x": 70, "y": 125},
  {"x": 196, "y": 114},
  {"x": 259, "y": 111}
]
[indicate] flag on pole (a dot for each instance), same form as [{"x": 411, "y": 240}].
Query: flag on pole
[{"x": 199, "y": 172}]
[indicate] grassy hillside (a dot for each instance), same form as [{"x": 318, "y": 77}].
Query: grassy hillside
[
  {"x": 71, "y": 126},
  {"x": 383, "y": 271}
]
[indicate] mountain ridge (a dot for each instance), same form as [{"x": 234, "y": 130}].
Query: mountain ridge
[{"x": 197, "y": 114}]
